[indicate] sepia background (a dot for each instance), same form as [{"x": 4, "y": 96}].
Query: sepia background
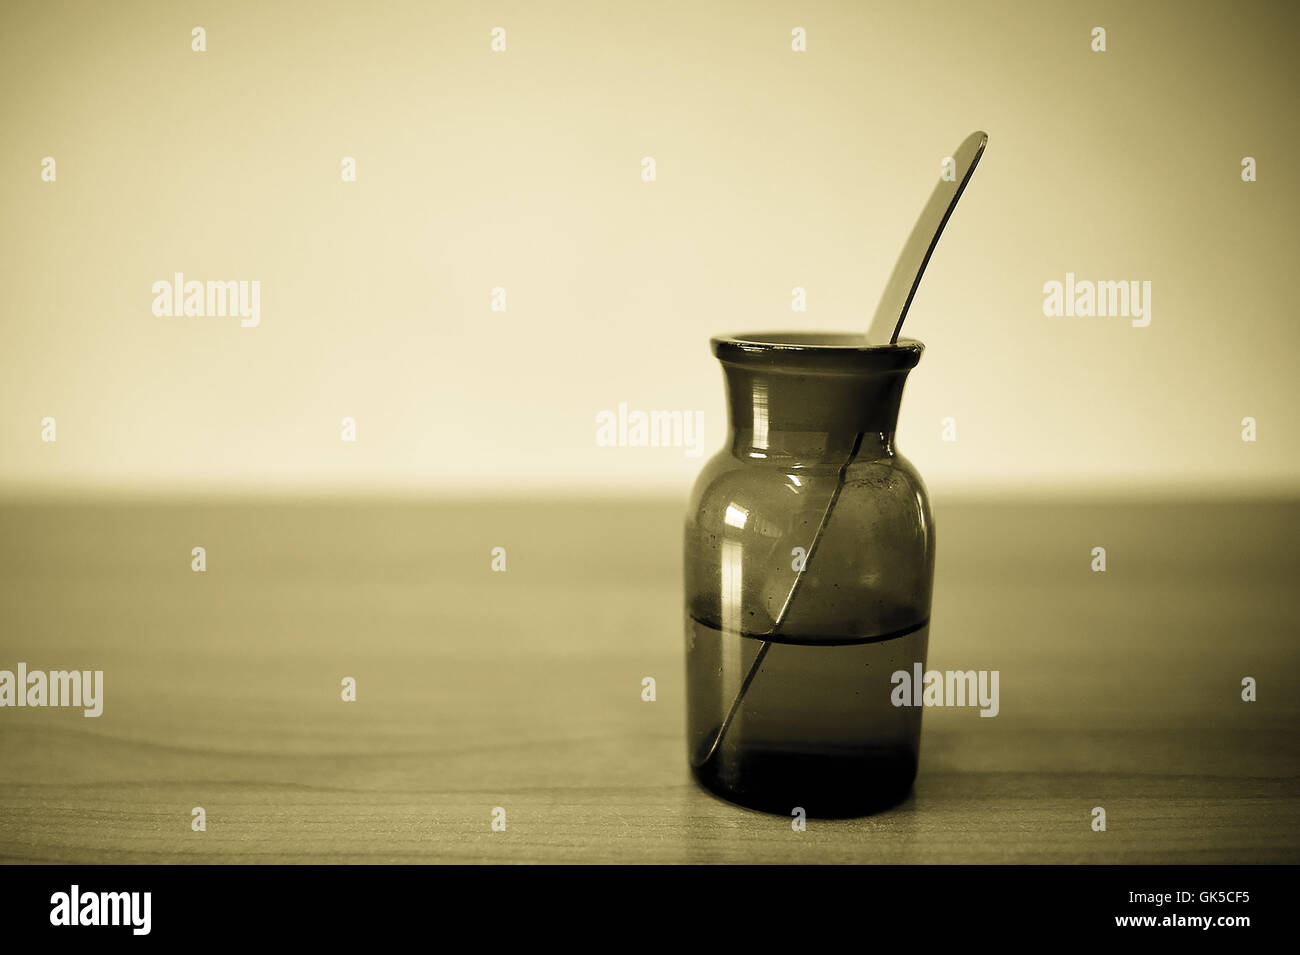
[
  {"x": 776, "y": 169},
  {"x": 522, "y": 170}
]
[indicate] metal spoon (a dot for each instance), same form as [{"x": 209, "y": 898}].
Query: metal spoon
[{"x": 897, "y": 297}]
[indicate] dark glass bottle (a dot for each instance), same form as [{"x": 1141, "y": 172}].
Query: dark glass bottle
[{"x": 809, "y": 569}]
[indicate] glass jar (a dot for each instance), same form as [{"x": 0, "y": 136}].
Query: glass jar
[{"x": 809, "y": 567}]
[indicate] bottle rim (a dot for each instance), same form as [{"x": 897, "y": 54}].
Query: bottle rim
[{"x": 833, "y": 348}]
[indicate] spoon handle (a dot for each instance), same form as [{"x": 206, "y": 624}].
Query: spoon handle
[{"x": 897, "y": 298}]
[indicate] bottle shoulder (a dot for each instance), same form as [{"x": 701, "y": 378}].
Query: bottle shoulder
[
  {"x": 727, "y": 479},
  {"x": 862, "y": 550}
]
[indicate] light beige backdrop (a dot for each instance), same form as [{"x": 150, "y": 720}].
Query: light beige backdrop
[{"x": 522, "y": 169}]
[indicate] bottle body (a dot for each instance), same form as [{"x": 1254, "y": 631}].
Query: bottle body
[{"x": 809, "y": 558}]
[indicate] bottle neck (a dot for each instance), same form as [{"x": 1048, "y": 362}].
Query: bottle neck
[{"x": 807, "y": 417}]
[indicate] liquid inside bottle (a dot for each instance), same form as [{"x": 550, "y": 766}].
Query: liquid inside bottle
[{"x": 815, "y": 728}]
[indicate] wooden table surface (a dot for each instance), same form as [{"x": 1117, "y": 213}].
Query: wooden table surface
[{"x": 522, "y": 689}]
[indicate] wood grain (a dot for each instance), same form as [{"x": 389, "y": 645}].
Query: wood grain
[{"x": 522, "y": 689}]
